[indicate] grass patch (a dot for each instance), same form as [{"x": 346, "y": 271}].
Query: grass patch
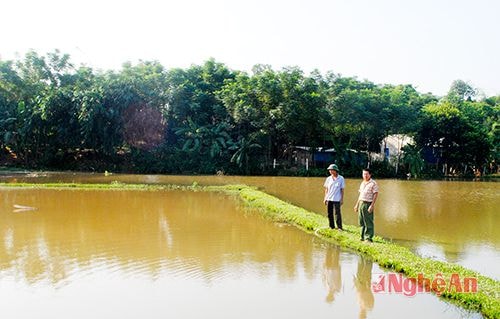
[{"x": 385, "y": 253}]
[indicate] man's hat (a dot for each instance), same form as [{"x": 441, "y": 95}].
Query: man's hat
[{"x": 334, "y": 167}]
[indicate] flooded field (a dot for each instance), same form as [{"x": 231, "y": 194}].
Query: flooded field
[
  {"x": 173, "y": 254},
  {"x": 455, "y": 221}
]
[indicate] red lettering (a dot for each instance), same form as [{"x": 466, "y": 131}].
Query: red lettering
[
  {"x": 395, "y": 282},
  {"x": 455, "y": 282},
  {"x": 424, "y": 284},
  {"x": 438, "y": 284},
  {"x": 470, "y": 284}
]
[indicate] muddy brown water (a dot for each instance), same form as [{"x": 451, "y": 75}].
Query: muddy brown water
[
  {"x": 175, "y": 254},
  {"x": 455, "y": 221}
]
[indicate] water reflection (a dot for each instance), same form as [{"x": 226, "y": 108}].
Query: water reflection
[
  {"x": 363, "y": 284},
  {"x": 332, "y": 273},
  {"x": 192, "y": 234}
]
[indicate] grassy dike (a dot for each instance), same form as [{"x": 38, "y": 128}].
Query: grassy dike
[{"x": 385, "y": 253}]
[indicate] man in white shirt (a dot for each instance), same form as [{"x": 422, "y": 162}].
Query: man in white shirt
[{"x": 334, "y": 195}]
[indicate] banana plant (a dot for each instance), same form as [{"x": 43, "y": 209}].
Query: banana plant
[
  {"x": 211, "y": 139},
  {"x": 244, "y": 148},
  {"x": 412, "y": 158}
]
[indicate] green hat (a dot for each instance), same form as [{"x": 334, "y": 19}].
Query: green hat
[{"x": 334, "y": 167}]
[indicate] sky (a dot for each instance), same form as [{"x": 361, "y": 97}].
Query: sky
[{"x": 426, "y": 43}]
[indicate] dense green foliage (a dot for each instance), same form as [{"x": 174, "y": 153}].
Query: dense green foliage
[{"x": 208, "y": 118}]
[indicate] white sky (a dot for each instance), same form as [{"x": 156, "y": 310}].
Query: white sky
[{"x": 427, "y": 43}]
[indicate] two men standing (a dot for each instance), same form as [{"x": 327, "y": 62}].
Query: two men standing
[{"x": 334, "y": 197}]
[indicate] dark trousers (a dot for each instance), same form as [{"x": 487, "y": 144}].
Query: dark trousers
[{"x": 331, "y": 207}]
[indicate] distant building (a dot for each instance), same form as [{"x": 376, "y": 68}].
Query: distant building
[
  {"x": 317, "y": 157},
  {"x": 391, "y": 145}
]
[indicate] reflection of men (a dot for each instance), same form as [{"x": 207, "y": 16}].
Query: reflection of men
[
  {"x": 368, "y": 192},
  {"x": 332, "y": 276},
  {"x": 334, "y": 195},
  {"x": 362, "y": 282}
]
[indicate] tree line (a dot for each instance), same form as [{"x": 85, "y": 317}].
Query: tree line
[{"x": 209, "y": 118}]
